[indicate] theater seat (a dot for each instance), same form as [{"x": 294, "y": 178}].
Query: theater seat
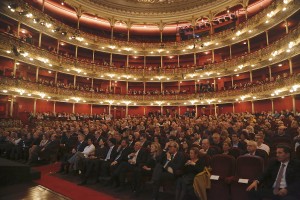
[
  {"x": 248, "y": 168},
  {"x": 224, "y": 167}
]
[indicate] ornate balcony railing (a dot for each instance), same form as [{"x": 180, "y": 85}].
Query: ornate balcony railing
[
  {"x": 255, "y": 25},
  {"x": 276, "y": 52},
  {"x": 281, "y": 87}
]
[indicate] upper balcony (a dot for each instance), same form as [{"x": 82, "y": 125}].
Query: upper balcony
[
  {"x": 286, "y": 47},
  {"x": 261, "y": 22}
]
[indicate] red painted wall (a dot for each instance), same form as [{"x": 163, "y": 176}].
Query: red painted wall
[
  {"x": 243, "y": 107},
  {"x": 82, "y": 108},
  {"x": 263, "y": 105},
  {"x": 63, "y": 107},
  {"x": 283, "y": 103},
  {"x": 44, "y": 106}
]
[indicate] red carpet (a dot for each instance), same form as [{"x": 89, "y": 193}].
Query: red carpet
[{"x": 66, "y": 188}]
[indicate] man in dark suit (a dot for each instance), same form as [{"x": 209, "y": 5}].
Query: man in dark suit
[
  {"x": 281, "y": 180},
  {"x": 169, "y": 168},
  {"x": 94, "y": 162},
  {"x": 135, "y": 161},
  {"x": 253, "y": 151}
]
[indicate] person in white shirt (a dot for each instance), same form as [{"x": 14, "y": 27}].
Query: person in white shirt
[
  {"x": 259, "y": 138},
  {"x": 88, "y": 151}
]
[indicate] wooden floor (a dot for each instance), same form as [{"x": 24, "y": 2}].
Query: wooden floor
[{"x": 28, "y": 191}]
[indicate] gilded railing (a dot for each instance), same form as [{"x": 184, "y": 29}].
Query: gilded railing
[
  {"x": 276, "y": 52},
  {"x": 28, "y": 89},
  {"x": 256, "y": 24}
]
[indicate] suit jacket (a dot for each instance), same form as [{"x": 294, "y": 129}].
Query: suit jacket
[
  {"x": 292, "y": 176},
  {"x": 176, "y": 163},
  {"x": 51, "y": 147},
  {"x": 142, "y": 157},
  {"x": 113, "y": 154},
  {"x": 80, "y": 147},
  {"x": 123, "y": 154}
]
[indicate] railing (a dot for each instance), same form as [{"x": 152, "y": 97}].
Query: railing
[
  {"x": 260, "y": 57},
  {"x": 35, "y": 89},
  {"x": 254, "y": 23}
]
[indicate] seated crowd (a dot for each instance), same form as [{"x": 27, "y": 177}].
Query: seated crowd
[{"x": 156, "y": 148}]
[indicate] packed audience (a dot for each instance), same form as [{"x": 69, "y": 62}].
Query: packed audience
[{"x": 157, "y": 148}]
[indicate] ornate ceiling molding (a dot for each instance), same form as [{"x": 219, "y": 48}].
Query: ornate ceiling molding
[{"x": 152, "y": 13}]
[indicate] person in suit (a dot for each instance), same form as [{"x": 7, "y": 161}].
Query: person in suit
[
  {"x": 281, "y": 180},
  {"x": 64, "y": 166},
  {"x": 169, "y": 168},
  {"x": 136, "y": 159},
  {"x": 207, "y": 149},
  {"x": 253, "y": 151}
]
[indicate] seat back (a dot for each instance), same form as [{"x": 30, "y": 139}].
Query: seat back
[
  {"x": 249, "y": 167},
  {"x": 222, "y": 165}
]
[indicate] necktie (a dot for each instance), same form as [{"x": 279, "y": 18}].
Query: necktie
[{"x": 278, "y": 180}]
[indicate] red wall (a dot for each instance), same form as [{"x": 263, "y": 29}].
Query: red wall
[
  {"x": 225, "y": 108},
  {"x": 82, "y": 108},
  {"x": 63, "y": 107},
  {"x": 243, "y": 107},
  {"x": 136, "y": 110},
  {"x": 24, "y": 104},
  {"x": 263, "y": 105},
  {"x": 283, "y": 103},
  {"x": 98, "y": 109},
  {"x": 44, "y": 106}
]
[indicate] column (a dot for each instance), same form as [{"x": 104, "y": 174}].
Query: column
[
  {"x": 109, "y": 109},
  {"x": 74, "y": 81},
  {"x": 78, "y": 18},
  {"x": 196, "y": 109},
  {"x": 55, "y": 78},
  {"x": 161, "y": 62},
  {"x": 161, "y": 35},
  {"x": 93, "y": 56},
  {"x": 215, "y": 85},
  {"x": 73, "y": 108},
  {"x": 37, "y": 74},
  {"x": 272, "y": 103},
  {"x": 144, "y": 62},
  {"x": 267, "y": 37},
  {"x": 144, "y": 110},
  {"x": 161, "y": 87},
  {"x": 110, "y": 59},
  {"x": 178, "y": 61},
  {"x": 252, "y": 107},
  {"x": 294, "y": 104},
  {"x": 76, "y": 51},
  {"x": 231, "y": 81},
  {"x": 57, "y": 47},
  {"x": 112, "y": 33},
  {"x": 43, "y": 5},
  {"x": 34, "y": 107},
  {"x": 249, "y": 47},
  {"x": 54, "y": 107},
  {"x": 195, "y": 86},
  {"x": 233, "y": 108},
  {"x": 230, "y": 52},
  {"x": 179, "y": 85},
  {"x": 144, "y": 87},
  {"x": 40, "y": 39},
  {"x": 161, "y": 110},
  {"x": 128, "y": 34},
  {"x": 216, "y": 110},
  {"x": 270, "y": 72},
  {"x": 127, "y": 60},
  {"x": 109, "y": 85},
  {"x": 213, "y": 55},
  {"x": 92, "y": 84},
  {"x": 91, "y": 109},
  {"x": 11, "y": 111},
  {"x": 126, "y": 111},
  {"x": 286, "y": 26},
  {"x": 291, "y": 66},
  {"x": 126, "y": 87},
  {"x": 251, "y": 78},
  {"x": 18, "y": 29},
  {"x": 195, "y": 58},
  {"x": 15, "y": 69}
]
